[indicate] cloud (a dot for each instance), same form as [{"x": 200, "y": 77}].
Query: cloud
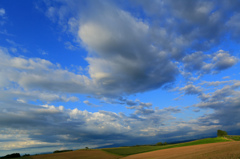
[
  {"x": 191, "y": 89},
  {"x": 207, "y": 63},
  {"x": 222, "y": 60},
  {"x": 225, "y": 105},
  {"x": 90, "y": 104},
  {"x": 38, "y": 74},
  {"x": 226, "y": 77},
  {"x": 194, "y": 61},
  {"x": 51, "y": 125},
  {"x": 133, "y": 62},
  {"x": 27, "y": 96},
  {"x": 234, "y": 24},
  {"x": 2, "y": 12},
  {"x": 183, "y": 31},
  {"x": 217, "y": 83}
]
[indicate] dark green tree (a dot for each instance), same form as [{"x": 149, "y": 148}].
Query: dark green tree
[
  {"x": 221, "y": 133},
  {"x": 159, "y": 144},
  {"x": 13, "y": 155}
]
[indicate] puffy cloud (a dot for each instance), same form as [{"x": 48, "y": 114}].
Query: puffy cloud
[
  {"x": 134, "y": 62},
  {"x": 208, "y": 63},
  {"x": 35, "y": 74},
  {"x": 194, "y": 61},
  {"x": 191, "y": 89},
  {"x": 225, "y": 105},
  {"x": 143, "y": 60},
  {"x": 222, "y": 60},
  {"x": 36, "y": 78}
]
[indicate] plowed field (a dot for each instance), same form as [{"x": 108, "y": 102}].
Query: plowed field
[{"x": 223, "y": 150}]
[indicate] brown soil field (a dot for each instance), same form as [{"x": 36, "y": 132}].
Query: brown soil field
[
  {"x": 78, "y": 154},
  {"x": 223, "y": 150}
]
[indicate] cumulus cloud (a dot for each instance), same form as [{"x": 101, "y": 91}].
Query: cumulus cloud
[
  {"x": 200, "y": 24},
  {"x": 52, "y": 126},
  {"x": 41, "y": 75},
  {"x": 191, "y": 89},
  {"x": 208, "y": 63},
  {"x": 225, "y": 105},
  {"x": 132, "y": 61},
  {"x": 36, "y": 75},
  {"x": 143, "y": 60},
  {"x": 194, "y": 61},
  {"x": 222, "y": 60}
]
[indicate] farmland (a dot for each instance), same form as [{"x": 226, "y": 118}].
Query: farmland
[
  {"x": 125, "y": 151},
  {"x": 222, "y": 150},
  {"x": 219, "y": 147}
]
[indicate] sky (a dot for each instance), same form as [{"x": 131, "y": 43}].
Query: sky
[{"x": 91, "y": 73}]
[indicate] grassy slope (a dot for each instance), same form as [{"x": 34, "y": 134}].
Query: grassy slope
[
  {"x": 234, "y": 137},
  {"x": 125, "y": 151}
]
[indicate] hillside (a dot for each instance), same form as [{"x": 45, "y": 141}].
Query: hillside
[
  {"x": 125, "y": 151},
  {"x": 209, "y": 146}
]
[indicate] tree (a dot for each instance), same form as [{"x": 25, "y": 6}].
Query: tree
[
  {"x": 159, "y": 144},
  {"x": 13, "y": 155},
  {"x": 26, "y": 155},
  {"x": 221, "y": 133}
]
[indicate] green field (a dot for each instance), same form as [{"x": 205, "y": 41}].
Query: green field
[
  {"x": 125, "y": 151},
  {"x": 234, "y": 137}
]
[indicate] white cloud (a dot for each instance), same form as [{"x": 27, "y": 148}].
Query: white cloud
[
  {"x": 134, "y": 61},
  {"x": 39, "y": 74},
  {"x": 2, "y": 12},
  {"x": 223, "y": 60},
  {"x": 191, "y": 89},
  {"x": 226, "y": 77},
  {"x": 28, "y": 143},
  {"x": 90, "y": 104},
  {"x": 207, "y": 63}
]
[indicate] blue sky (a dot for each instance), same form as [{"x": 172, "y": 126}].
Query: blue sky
[{"x": 110, "y": 73}]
